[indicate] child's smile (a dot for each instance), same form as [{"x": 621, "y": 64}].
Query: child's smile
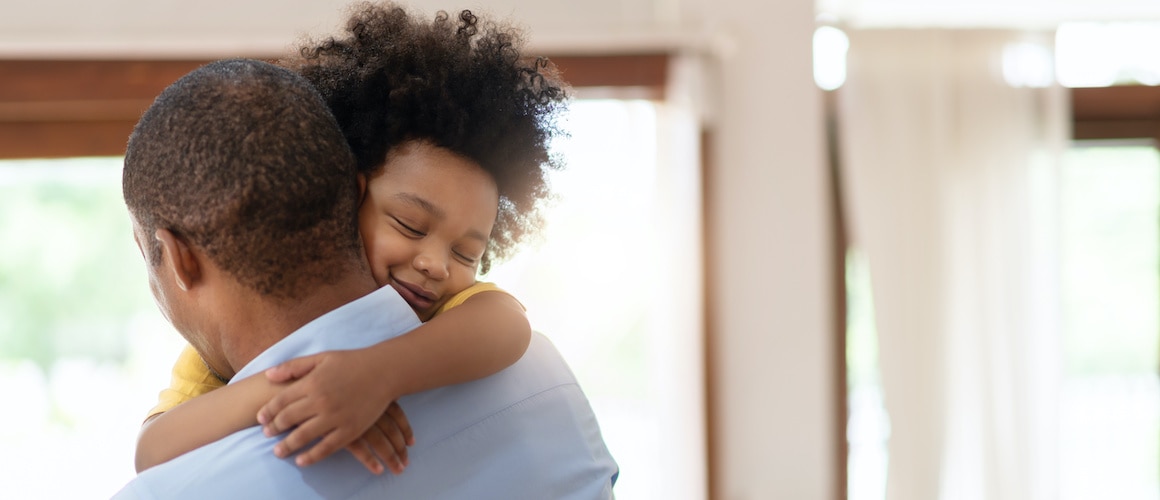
[{"x": 426, "y": 219}]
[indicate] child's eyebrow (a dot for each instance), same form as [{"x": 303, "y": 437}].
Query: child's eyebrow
[
  {"x": 477, "y": 235},
  {"x": 418, "y": 201}
]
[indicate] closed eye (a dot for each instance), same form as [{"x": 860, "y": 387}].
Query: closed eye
[
  {"x": 408, "y": 230},
  {"x": 466, "y": 259}
]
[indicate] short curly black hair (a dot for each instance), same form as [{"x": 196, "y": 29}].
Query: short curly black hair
[
  {"x": 459, "y": 84},
  {"x": 244, "y": 160}
]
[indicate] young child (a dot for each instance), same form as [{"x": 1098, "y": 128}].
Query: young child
[{"x": 450, "y": 127}]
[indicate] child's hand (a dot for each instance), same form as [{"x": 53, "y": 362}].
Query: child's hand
[
  {"x": 388, "y": 438},
  {"x": 336, "y": 396}
]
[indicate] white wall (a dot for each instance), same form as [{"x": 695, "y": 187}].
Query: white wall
[
  {"x": 228, "y": 27},
  {"x": 1018, "y": 14},
  {"x": 773, "y": 317},
  {"x": 773, "y": 287}
]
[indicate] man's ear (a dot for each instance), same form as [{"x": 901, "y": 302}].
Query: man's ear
[{"x": 179, "y": 258}]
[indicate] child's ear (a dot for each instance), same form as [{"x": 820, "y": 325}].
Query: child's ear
[{"x": 178, "y": 257}]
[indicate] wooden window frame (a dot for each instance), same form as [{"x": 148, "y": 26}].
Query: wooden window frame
[
  {"x": 1120, "y": 112},
  {"x": 67, "y": 108}
]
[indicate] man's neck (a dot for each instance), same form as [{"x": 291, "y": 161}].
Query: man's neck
[{"x": 259, "y": 323}]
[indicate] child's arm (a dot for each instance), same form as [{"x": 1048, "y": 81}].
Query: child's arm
[
  {"x": 340, "y": 393},
  {"x": 201, "y": 420},
  {"x": 224, "y": 411}
]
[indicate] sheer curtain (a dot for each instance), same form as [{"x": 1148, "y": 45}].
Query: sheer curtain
[{"x": 949, "y": 175}]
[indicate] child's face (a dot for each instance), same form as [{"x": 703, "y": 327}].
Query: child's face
[{"x": 425, "y": 221}]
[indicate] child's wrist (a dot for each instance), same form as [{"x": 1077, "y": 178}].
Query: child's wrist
[{"x": 385, "y": 372}]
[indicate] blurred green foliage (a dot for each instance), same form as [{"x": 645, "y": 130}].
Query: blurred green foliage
[{"x": 71, "y": 277}]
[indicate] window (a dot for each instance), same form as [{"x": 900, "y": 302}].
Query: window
[
  {"x": 1105, "y": 429},
  {"x": 1109, "y": 434},
  {"x": 1110, "y": 227},
  {"x": 83, "y": 348},
  {"x": 868, "y": 425}
]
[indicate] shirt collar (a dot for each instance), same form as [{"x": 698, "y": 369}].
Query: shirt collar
[{"x": 368, "y": 320}]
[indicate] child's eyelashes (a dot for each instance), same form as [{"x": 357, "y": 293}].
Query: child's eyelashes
[
  {"x": 466, "y": 260},
  {"x": 408, "y": 229}
]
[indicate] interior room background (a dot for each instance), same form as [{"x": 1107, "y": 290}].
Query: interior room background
[{"x": 860, "y": 249}]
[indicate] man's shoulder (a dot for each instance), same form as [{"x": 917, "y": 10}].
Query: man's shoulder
[
  {"x": 543, "y": 362},
  {"x": 531, "y": 417},
  {"x": 540, "y": 372}
]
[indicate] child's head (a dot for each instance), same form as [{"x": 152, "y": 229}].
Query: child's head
[
  {"x": 425, "y": 220},
  {"x": 446, "y": 94}
]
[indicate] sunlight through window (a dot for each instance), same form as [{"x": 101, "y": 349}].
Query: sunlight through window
[
  {"x": 1090, "y": 54},
  {"x": 830, "y": 47},
  {"x": 83, "y": 349}
]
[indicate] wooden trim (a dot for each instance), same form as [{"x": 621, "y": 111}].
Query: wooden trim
[
  {"x": 1121, "y": 112},
  {"x": 62, "y": 108},
  {"x": 708, "y": 271},
  {"x": 64, "y": 80},
  {"x": 64, "y": 139},
  {"x": 646, "y": 70},
  {"x": 1116, "y": 129},
  {"x": 78, "y": 110},
  {"x": 840, "y": 243}
]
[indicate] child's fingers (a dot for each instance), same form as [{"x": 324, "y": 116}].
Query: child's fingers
[
  {"x": 293, "y": 369},
  {"x": 288, "y": 416},
  {"x": 276, "y": 405},
  {"x": 396, "y": 412},
  {"x": 363, "y": 453},
  {"x": 333, "y": 442},
  {"x": 391, "y": 431},
  {"x": 383, "y": 448},
  {"x": 302, "y": 435}
]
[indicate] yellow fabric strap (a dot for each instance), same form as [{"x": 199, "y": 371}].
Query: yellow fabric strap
[
  {"x": 190, "y": 378},
  {"x": 467, "y": 293}
]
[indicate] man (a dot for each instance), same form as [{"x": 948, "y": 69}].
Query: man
[{"x": 243, "y": 197}]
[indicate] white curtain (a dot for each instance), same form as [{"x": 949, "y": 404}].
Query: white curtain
[{"x": 948, "y": 173}]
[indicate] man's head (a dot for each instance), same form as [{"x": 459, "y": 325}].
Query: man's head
[{"x": 241, "y": 163}]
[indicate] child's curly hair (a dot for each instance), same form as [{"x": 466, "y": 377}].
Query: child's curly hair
[{"x": 459, "y": 84}]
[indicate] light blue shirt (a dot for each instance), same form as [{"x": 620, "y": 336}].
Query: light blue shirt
[{"x": 527, "y": 432}]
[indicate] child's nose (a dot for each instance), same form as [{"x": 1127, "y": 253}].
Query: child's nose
[{"x": 432, "y": 264}]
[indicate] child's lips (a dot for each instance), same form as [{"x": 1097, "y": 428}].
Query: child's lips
[{"x": 416, "y": 296}]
